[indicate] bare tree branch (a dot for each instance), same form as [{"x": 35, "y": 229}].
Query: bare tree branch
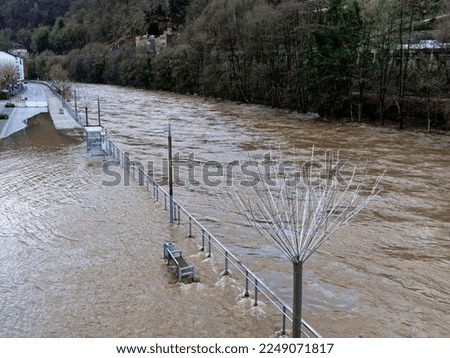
[
  {"x": 300, "y": 215},
  {"x": 300, "y": 208}
]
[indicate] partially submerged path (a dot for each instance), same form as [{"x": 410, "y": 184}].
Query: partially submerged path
[{"x": 37, "y": 98}]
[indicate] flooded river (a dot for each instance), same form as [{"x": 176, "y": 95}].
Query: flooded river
[{"x": 81, "y": 257}]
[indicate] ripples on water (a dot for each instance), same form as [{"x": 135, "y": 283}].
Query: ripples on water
[
  {"x": 84, "y": 260},
  {"x": 385, "y": 274}
]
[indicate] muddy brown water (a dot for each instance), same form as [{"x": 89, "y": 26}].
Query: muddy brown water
[{"x": 81, "y": 258}]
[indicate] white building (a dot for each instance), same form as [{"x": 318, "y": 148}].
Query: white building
[{"x": 17, "y": 62}]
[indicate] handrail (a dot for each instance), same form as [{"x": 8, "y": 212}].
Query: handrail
[
  {"x": 230, "y": 258},
  {"x": 250, "y": 278}
]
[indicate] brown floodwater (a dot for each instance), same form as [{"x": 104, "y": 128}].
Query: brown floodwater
[{"x": 81, "y": 257}]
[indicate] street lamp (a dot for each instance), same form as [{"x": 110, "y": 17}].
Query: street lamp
[
  {"x": 169, "y": 148},
  {"x": 76, "y": 105},
  {"x": 98, "y": 104}
]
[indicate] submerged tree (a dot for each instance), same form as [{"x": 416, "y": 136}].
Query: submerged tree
[{"x": 300, "y": 207}]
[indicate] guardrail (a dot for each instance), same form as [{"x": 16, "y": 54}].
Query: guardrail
[{"x": 209, "y": 243}]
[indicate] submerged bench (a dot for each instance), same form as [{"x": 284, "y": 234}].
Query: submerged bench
[{"x": 176, "y": 257}]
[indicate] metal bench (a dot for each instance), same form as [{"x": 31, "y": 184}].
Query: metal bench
[{"x": 176, "y": 257}]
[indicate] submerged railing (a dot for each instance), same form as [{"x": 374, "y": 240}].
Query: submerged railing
[{"x": 209, "y": 243}]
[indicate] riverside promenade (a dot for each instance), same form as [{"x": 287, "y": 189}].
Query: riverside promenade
[{"x": 37, "y": 98}]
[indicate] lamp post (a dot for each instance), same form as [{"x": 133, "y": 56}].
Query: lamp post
[
  {"x": 98, "y": 104},
  {"x": 169, "y": 144},
  {"x": 300, "y": 218},
  {"x": 170, "y": 161},
  {"x": 76, "y": 105},
  {"x": 86, "y": 111}
]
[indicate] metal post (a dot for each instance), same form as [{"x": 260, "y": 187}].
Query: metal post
[
  {"x": 283, "y": 327},
  {"x": 190, "y": 226},
  {"x": 141, "y": 176},
  {"x": 297, "y": 309},
  {"x": 226, "y": 264},
  {"x": 209, "y": 245},
  {"x": 246, "y": 294},
  {"x": 203, "y": 240},
  {"x": 76, "y": 107},
  {"x": 98, "y": 103},
  {"x": 256, "y": 292},
  {"x": 169, "y": 142},
  {"x": 87, "y": 122}
]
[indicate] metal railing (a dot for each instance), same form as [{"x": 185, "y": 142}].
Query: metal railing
[
  {"x": 75, "y": 115},
  {"x": 209, "y": 243},
  {"x": 80, "y": 118}
]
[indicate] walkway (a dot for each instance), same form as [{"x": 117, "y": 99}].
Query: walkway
[
  {"x": 39, "y": 99},
  {"x": 62, "y": 121}
]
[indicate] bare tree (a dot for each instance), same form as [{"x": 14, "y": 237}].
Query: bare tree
[
  {"x": 61, "y": 80},
  {"x": 86, "y": 101},
  {"x": 443, "y": 25},
  {"x": 8, "y": 76},
  {"x": 300, "y": 208}
]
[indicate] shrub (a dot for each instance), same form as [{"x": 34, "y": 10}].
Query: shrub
[{"x": 9, "y": 105}]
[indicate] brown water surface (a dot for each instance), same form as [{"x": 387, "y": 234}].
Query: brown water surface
[{"x": 83, "y": 259}]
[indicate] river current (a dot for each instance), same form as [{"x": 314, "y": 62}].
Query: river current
[{"x": 81, "y": 254}]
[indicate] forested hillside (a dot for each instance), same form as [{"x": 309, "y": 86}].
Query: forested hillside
[
  {"x": 63, "y": 25},
  {"x": 28, "y": 14},
  {"x": 355, "y": 58}
]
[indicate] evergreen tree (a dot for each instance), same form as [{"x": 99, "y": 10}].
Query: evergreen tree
[{"x": 338, "y": 39}]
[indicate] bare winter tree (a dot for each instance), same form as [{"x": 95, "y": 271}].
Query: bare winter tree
[
  {"x": 300, "y": 207},
  {"x": 61, "y": 80},
  {"x": 443, "y": 25},
  {"x": 8, "y": 75},
  {"x": 86, "y": 101}
]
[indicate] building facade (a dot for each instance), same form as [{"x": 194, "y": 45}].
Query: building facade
[
  {"x": 157, "y": 44},
  {"x": 10, "y": 60}
]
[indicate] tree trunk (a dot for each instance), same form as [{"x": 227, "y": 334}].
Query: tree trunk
[
  {"x": 360, "y": 100},
  {"x": 381, "y": 103},
  {"x": 297, "y": 304}
]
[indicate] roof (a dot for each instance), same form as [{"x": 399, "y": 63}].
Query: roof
[{"x": 427, "y": 44}]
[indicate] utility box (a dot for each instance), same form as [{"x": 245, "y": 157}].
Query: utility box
[{"x": 96, "y": 137}]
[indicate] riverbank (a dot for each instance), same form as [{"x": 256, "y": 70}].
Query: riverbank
[
  {"x": 418, "y": 112},
  {"x": 440, "y": 114}
]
